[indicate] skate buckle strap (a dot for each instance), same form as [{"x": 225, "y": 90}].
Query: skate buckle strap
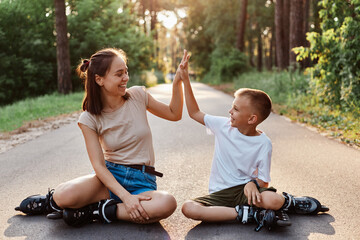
[
  {"x": 103, "y": 210},
  {"x": 245, "y": 214},
  {"x": 52, "y": 206},
  {"x": 290, "y": 200}
]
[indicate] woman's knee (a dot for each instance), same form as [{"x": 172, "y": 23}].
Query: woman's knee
[
  {"x": 165, "y": 205},
  {"x": 64, "y": 195},
  {"x": 168, "y": 203}
]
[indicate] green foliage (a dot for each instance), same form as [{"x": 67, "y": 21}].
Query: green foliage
[
  {"x": 283, "y": 87},
  {"x": 200, "y": 43},
  {"x": 28, "y": 45},
  {"x": 212, "y": 29},
  {"x": 27, "y": 53},
  {"x": 97, "y": 24},
  {"x": 225, "y": 65},
  {"x": 335, "y": 78}
]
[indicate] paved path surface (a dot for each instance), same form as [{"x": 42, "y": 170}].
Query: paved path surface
[{"x": 303, "y": 163}]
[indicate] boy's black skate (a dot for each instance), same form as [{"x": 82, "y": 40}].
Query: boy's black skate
[
  {"x": 264, "y": 218},
  {"x": 36, "y": 204},
  {"x": 90, "y": 213},
  {"x": 303, "y": 205}
]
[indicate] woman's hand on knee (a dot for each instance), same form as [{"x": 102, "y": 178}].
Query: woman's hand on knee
[{"x": 135, "y": 210}]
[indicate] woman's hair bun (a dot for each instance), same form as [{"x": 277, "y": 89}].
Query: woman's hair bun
[{"x": 85, "y": 65}]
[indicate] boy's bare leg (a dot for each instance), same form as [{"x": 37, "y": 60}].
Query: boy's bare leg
[
  {"x": 271, "y": 200},
  {"x": 197, "y": 211}
]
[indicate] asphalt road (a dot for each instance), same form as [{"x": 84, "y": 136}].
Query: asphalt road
[{"x": 304, "y": 163}]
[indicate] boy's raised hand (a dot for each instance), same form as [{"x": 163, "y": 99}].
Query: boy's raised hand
[{"x": 182, "y": 72}]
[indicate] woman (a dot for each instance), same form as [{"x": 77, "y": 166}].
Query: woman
[{"x": 119, "y": 145}]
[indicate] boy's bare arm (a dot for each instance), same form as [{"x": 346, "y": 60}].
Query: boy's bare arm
[
  {"x": 262, "y": 183},
  {"x": 191, "y": 104}
]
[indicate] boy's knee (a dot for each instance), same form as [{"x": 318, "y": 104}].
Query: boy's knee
[
  {"x": 271, "y": 200},
  {"x": 189, "y": 209}
]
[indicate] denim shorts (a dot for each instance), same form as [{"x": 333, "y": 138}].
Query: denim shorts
[{"x": 133, "y": 180}]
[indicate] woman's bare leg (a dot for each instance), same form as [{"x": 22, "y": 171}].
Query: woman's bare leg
[
  {"x": 161, "y": 206},
  {"x": 89, "y": 189},
  {"x": 80, "y": 192}
]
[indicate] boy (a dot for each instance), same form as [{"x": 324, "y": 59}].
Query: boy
[{"x": 241, "y": 166}]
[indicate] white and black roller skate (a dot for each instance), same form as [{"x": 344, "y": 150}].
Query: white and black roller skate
[
  {"x": 262, "y": 217},
  {"x": 38, "y": 204},
  {"x": 103, "y": 211},
  {"x": 303, "y": 205}
]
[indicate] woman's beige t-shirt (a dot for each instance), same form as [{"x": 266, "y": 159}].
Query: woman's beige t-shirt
[{"x": 124, "y": 134}]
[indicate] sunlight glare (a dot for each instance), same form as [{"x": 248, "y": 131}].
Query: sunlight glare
[{"x": 167, "y": 18}]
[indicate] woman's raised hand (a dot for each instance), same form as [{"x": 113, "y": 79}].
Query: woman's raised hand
[{"x": 182, "y": 72}]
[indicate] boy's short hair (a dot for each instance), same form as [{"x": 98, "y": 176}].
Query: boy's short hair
[{"x": 259, "y": 100}]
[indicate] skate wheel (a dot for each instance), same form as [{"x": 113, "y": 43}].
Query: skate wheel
[{"x": 324, "y": 208}]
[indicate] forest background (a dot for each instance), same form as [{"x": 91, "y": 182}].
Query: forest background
[{"x": 304, "y": 53}]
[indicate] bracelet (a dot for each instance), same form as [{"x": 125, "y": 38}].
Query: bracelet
[{"x": 256, "y": 183}]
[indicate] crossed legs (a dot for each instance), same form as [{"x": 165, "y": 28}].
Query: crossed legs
[
  {"x": 198, "y": 211},
  {"x": 89, "y": 189}
]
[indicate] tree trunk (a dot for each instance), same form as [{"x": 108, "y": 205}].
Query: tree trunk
[
  {"x": 306, "y": 62},
  {"x": 296, "y": 27},
  {"x": 153, "y": 15},
  {"x": 250, "y": 49},
  {"x": 153, "y": 21},
  {"x": 286, "y": 27},
  {"x": 259, "y": 51},
  {"x": 143, "y": 9},
  {"x": 240, "y": 43},
  {"x": 62, "y": 49},
  {"x": 271, "y": 53},
  {"x": 315, "y": 11},
  {"x": 280, "y": 35}
]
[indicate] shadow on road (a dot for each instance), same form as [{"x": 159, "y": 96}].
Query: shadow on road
[
  {"x": 302, "y": 227},
  {"x": 38, "y": 227}
]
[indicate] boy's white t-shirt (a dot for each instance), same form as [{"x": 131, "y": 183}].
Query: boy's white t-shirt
[{"x": 237, "y": 156}]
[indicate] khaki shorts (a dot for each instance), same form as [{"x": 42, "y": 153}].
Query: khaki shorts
[{"x": 229, "y": 197}]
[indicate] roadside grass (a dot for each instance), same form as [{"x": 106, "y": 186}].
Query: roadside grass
[
  {"x": 288, "y": 92},
  {"x": 17, "y": 114}
]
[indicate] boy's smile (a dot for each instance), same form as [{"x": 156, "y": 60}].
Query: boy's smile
[{"x": 242, "y": 115}]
